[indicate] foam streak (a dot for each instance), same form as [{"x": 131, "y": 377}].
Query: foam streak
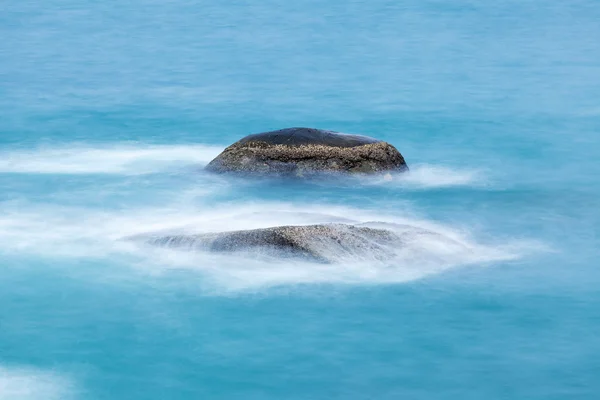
[{"x": 120, "y": 159}]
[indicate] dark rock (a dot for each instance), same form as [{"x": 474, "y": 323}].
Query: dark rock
[{"x": 305, "y": 151}]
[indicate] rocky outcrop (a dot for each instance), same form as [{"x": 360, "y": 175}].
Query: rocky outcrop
[
  {"x": 324, "y": 243},
  {"x": 321, "y": 243},
  {"x": 303, "y": 152}
]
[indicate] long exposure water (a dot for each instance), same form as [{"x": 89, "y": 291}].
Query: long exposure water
[{"x": 109, "y": 110}]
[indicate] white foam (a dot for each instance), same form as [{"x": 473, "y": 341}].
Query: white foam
[
  {"x": 428, "y": 176},
  {"x": 117, "y": 159},
  {"x": 83, "y": 233},
  {"x": 18, "y": 383},
  {"x": 130, "y": 159}
]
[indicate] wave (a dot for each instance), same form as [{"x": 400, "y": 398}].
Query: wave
[
  {"x": 69, "y": 232},
  {"x": 17, "y": 383},
  {"x": 119, "y": 159}
]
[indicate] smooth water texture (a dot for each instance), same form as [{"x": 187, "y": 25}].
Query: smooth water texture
[{"x": 109, "y": 110}]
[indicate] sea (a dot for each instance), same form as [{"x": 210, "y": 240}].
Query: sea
[{"x": 109, "y": 110}]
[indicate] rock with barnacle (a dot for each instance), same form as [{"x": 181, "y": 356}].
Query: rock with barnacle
[{"x": 303, "y": 152}]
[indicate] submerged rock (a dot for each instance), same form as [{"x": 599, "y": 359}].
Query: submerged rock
[
  {"x": 321, "y": 243},
  {"x": 306, "y": 151}
]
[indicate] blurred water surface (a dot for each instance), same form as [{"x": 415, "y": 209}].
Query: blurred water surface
[{"x": 109, "y": 110}]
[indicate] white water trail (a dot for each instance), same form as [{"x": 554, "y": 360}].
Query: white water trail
[
  {"x": 66, "y": 231},
  {"x": 427, "y": 176},
  {"x": 20, "y": 383},
  {"x": 135, "y": 159},
  {"x": 81, "y": 233},
  {"x": 116, "y": 159}
]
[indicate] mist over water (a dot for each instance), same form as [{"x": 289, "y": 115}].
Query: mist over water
[
  {"x": 83, "y": 231},
  {"x": 109, "y": 111}
]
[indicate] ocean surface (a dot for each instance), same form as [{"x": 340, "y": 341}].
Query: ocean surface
[{"x": 110, "y": 109}]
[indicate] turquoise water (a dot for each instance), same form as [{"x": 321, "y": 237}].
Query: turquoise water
[{"x": 110, "y": 109}]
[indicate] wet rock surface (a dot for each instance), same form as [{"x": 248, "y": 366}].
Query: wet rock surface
[
  {"x": 324, "y": 243},
  {"x": 304, "y": 152},
  {"x": 320, "y": 243}
]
